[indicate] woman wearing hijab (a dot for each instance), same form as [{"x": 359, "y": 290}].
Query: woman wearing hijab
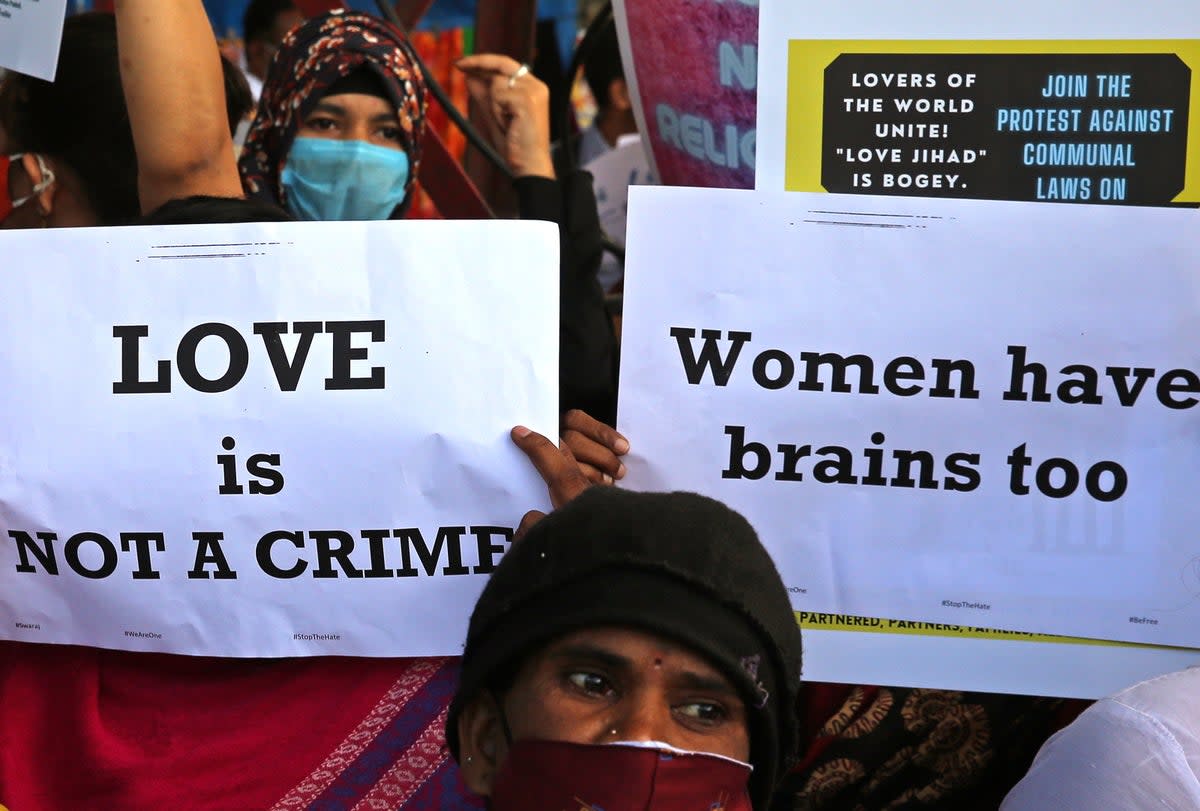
[{"x": 337, "y": 136}]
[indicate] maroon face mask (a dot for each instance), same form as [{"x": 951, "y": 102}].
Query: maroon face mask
[
  {"x": 7, "y": 203},
  {"x": 558, "y": 776}
]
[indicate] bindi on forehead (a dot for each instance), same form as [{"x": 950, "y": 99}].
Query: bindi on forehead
[{"x": 630, "y": 650}]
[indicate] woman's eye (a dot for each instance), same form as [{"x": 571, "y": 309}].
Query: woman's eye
[
  {"x": 589, "y": 683},
  {"x": 390, "y": 134},
  {"x": 703, "y": 711},
  {"x": 323, "y": 124}
]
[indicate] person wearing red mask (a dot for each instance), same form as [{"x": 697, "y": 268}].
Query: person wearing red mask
[{"x": 631, "y": 651}]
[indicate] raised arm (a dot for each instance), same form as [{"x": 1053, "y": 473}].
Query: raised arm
[{"x": 175, "y": 93}]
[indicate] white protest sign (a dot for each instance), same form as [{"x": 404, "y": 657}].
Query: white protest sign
[
  {"x": 30, "y": 35},
  {"x": 952, "y": 412},
  {"x": 268, "y": 440},
  {"x": 1076, "y": 101}
]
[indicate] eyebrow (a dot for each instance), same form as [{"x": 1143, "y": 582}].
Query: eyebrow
[
  {"x": 337, "y": 109},
  {"x": 708, "y": 683},
  {"x": 594, "y": 653},
  {"x": 329, "y": 107}
]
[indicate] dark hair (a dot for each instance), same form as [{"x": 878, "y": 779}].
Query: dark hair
[
  {"x": 8, "y": 105},
  {"x": 260, "y": 18},
  {"x": 239, "y": 101},
  {"x": 603, "y": 64},
  {"x": 202, "y": 209},
  {"x": 80, "y": 117}
]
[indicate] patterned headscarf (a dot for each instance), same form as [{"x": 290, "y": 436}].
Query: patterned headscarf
[{"x": 310, "y": 60}]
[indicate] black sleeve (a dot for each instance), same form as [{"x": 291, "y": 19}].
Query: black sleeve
[{"x": 587, "y": 352}]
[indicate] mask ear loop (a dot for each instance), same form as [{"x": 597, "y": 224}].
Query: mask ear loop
[
  {"x": 48, "y": 180},
  {"x": 48, "y": 177}
]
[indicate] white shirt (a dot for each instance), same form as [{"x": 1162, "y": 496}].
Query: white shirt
[
  {"x": 612, "y": 174},
  {"x": 591, "y": 146},
  {"x": 1138, "y": 750},
  {"x": 256, "y": 85}
]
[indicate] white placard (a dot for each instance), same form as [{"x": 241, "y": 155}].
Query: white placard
[
  {"x": 337, "y": 422},
  {"x": 929, "y": 509},
  {"x": 30, "y": 35}
]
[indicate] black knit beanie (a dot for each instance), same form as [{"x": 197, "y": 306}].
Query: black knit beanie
[{"x": 679, "y": 565}]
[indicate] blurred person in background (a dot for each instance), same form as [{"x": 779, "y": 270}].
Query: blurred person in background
[
  {"x": 264, "y": 25},
  {"x": 605, "y": 76}
]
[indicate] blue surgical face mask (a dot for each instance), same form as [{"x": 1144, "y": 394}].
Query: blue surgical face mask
[{"x": 326, "y": 179}]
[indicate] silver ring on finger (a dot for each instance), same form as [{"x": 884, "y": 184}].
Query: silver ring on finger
[{"x": 521, "y": 71}]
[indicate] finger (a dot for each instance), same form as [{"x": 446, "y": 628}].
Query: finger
[
  {"x": 529, "y": 101},
  {"x": 592, "y": 428},
  {"x": 557, "y": 466},
  {"x": 483, "y": 86},
  {"x": 527, "y": 521},
  {"x": 493, "y": 63},
  {"x": 493, "y": 96},
  {"x": 478, "y": 88},
  {"x": 480, "y": 91},
  {"x": 594, "y": 474},
  {"x": 499, "y": 103},
  {"x": 590, "y": 453},
  {"x": 566, "y": 487}
]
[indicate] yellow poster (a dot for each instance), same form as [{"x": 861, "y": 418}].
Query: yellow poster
[{"x": 1081, "y": 121}]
